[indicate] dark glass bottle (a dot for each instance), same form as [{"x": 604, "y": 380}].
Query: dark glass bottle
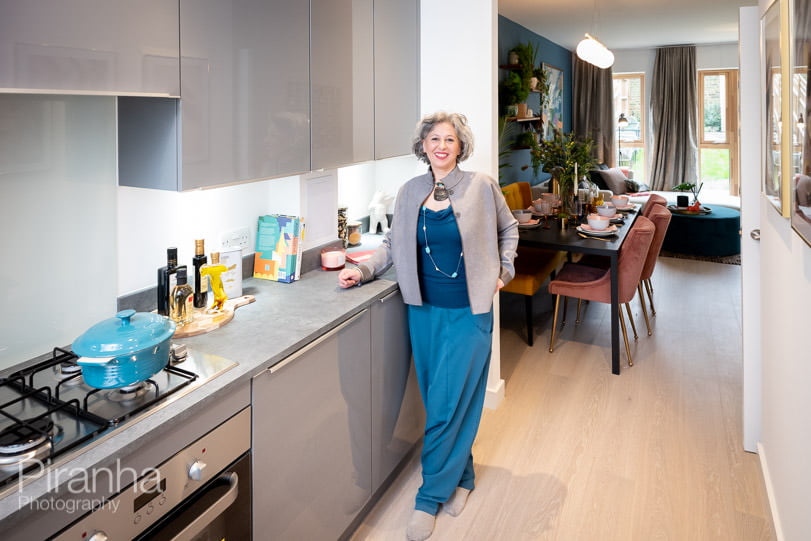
[
  {"x": 200, "y": 282},
  {"x": 167, "y": 279}
]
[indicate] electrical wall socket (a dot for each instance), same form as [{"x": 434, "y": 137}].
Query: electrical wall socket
[{"x": 238, "y": 238}]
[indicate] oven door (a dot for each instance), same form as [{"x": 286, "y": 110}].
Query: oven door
[{"x": 219, "y": 511}]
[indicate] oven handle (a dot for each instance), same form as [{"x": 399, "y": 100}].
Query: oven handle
[{"x": 207, "y": 517}]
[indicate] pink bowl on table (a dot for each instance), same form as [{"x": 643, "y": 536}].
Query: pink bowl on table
[
  {"x": 620, "y": 201},
  {"x": 607, "y": 209},
  {"x": 597, "y": 222}
]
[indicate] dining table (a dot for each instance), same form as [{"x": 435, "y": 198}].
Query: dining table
[{"x": 550, "y": 235}]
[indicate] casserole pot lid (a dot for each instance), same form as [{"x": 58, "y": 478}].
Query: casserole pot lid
[{"x": 129, "y": 331}]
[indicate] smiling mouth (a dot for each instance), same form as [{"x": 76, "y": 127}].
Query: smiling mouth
[{"x": 441, "y": 155}]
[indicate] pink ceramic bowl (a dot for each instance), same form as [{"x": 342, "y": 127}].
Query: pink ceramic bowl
[
  {"x": 606, "y": 209},
  {"x": 598, "y": 222},
  {"x": 620, "y": 200}
]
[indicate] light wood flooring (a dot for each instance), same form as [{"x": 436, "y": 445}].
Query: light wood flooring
[{"x": 576, "y": 453}]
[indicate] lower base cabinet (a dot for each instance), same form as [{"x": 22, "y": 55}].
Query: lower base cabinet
[
  {"x": 398, "y": 416},
  {"x": 331, "y": 423},
  {"x": 311, "y": 443}
]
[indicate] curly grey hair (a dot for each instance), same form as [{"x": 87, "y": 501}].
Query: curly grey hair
[{"x": 459, "y": 123}]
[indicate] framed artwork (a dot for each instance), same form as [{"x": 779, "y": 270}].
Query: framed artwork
[
  {"x": 800, "y": 181},
  {"x": 772, "y": 78},
  {"x": 553, "y": 108}
]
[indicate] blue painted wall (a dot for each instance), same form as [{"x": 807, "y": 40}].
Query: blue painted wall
[{"x": 511, "y": 34}]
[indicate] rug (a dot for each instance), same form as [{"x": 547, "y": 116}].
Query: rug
[{"x": 727, "y": 260}]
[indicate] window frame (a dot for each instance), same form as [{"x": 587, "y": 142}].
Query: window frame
[
  {"x": 731, "y": 125},
  {"x": 640, "y": 142}
]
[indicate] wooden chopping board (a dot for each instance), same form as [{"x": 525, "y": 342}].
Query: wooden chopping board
[{"x": 204, "y": 322}]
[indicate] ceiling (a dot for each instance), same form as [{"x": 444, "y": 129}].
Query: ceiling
[{"x": 629, "y": 24}]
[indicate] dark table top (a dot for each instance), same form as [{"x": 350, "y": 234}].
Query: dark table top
[{"x": 569, "y": 240}]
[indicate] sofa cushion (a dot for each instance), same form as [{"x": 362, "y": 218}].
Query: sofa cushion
[{"x": 613, "y": 179}]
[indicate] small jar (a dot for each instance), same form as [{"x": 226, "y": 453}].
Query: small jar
[{"x": 353, "y": 233}]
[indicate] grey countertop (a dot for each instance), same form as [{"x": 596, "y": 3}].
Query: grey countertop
[{"x": 284, "y": 318}]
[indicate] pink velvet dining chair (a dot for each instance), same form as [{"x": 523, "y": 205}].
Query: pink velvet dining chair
[
  {"x": 594, "y": 284},
  {"x": 660, "y": 217},
  {"x": 654, "y": 200}
]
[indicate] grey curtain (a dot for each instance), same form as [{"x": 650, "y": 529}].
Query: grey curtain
[
  {"x": 593, "y": 110},
  {"x": 674, "y": 156}
]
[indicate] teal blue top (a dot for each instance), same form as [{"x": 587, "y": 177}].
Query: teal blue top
[{"x": 441, "y": 263}]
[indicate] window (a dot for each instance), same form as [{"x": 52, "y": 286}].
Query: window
[
  {"x": 629, "y": 100},
  {"x": 718, "y": 129}
]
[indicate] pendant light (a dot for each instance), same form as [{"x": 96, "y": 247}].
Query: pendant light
[{"x": 591, "y": 50}]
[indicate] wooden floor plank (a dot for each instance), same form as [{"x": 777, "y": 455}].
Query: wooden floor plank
[{"x": 575, "y": 453}]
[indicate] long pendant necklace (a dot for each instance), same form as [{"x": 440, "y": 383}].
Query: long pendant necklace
[
  {"x": 428, "y": 250},
  {"x": 441, "y": 193}
]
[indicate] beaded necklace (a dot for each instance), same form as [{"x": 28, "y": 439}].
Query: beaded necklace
[{"x": 428, "y": 250}]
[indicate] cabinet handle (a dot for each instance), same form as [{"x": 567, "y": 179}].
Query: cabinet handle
[
  {"x": 390, "y": 295},
  {"x": 293, "y": 356}
]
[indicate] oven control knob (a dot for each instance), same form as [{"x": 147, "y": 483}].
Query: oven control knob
[
  {"x": 98, "y": 536},
  {"x": 196, "y": 470}
]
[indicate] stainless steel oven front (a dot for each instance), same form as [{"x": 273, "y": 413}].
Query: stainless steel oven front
[{"x": 202, "y": 493}]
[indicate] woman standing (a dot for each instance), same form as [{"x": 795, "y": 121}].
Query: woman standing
[{"x": 452, "y": 242}]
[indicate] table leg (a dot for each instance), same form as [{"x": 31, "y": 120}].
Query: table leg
[{"x": 615, "y": 322}]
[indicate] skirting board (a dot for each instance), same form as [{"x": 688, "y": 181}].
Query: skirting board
[
  {"x": 778, "y": 531},
  {"x": 494, "y": 396}
]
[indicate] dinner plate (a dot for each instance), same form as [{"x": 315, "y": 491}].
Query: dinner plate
[
  {"x": 607, "y": 232},
  {"x": 532, "y": 224},
  {"x": 625, "y": 208}
]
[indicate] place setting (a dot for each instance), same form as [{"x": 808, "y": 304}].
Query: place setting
[{"x": 597, "y": 227}]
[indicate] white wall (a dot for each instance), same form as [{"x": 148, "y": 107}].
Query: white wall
[{"x": 786, "y": 443}]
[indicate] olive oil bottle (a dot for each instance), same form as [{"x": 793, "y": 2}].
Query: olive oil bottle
[{"x": 181, "y": 302}]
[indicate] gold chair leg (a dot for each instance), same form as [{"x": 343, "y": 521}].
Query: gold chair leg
[
  {"x": 579, "y": 303},
  {"x": 565, "y": 304},
  {"x": 625, "y": 338},
  {"x": 631, "y": 318},
  {"x": 649, "y": 288},
  {"x": 554, "y": 323},
  {"x": 644, "y": 309}
]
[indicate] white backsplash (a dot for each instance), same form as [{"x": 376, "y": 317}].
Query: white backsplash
[{"x": 58, "y": 220}]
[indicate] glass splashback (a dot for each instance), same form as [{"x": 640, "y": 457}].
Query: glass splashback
[{"x": 57, "y": 218}]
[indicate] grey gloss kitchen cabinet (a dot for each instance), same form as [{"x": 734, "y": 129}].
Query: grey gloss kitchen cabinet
[
  {"x": 396, "y": 73},
  {"x": 311, "y": 445},
  {"x": 90, "y": 46},
  {"x": 398, "y": 415},
  {"x": 244, "y": 108},
  {"x": 341, "y": 82}
]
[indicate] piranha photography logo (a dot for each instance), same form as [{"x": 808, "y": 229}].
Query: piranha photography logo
[{"x": 80, "y": 490}]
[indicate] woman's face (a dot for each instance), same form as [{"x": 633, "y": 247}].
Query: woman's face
[{"x": 442, "y": 147}]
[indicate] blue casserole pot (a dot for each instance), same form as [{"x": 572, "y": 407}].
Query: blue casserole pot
[{"x": 125, "y": 349}]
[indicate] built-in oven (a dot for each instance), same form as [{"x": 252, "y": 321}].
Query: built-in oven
[{"x": 202, "y": 493}]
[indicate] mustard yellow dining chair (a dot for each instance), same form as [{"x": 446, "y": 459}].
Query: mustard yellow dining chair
[
  {"x": 532, "y": 265},
  {"x": 518, "y": 195}
]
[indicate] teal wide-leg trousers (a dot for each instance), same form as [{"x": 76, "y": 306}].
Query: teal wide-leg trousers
[{"x": 451, "y": 349}]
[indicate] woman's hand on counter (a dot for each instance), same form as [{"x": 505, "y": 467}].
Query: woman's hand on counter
[{"x": 349, "y": 277}]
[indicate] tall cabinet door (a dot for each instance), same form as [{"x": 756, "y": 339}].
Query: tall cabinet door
[
  {"x": 398, "y": 415},
  {"x": 111, "y": 46},
  {"x": 311, "y": 442},
  {"x": 341, "y": 82},
  {"x": 244, "y": 72},
  {"x": 397, "y": 76}
]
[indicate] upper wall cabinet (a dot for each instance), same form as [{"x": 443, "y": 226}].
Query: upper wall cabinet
[
  {"x": 244, "y": 108},
  {"x": 90, "y": 46},
  {"x": 397, "y": 78},
  {"x": 341, "y": 82}
]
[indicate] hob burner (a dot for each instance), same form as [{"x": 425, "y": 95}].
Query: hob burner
[
  {"x": 129, "y": 392},
  {"x": 27, "y": 441},
  {"x": 69, "y": 369}
]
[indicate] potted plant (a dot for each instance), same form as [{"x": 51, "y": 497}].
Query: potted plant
[
  {"x": 513, "y": 90},
  {"x": 695, "y": 189},
  {"x": 559, "y": 157},
  {"x": 526, "y": 65}
]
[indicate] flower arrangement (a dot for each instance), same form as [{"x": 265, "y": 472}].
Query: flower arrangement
[{"x": 560, "y": 155}]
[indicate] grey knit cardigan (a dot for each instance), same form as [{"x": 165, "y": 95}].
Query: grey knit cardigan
[{"x": 488, "y": 229}]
